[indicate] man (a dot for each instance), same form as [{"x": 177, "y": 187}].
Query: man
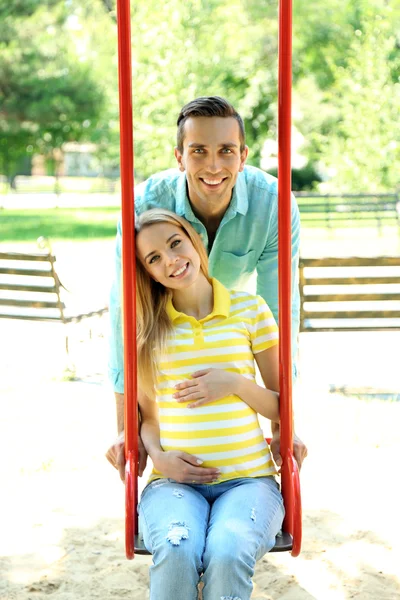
[{"x": 234, "y": 209}]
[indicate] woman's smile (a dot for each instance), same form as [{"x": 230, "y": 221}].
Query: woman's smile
[{"x": 181, "y": 272}]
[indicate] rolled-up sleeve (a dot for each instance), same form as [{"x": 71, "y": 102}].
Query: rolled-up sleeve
[
  {"x": 116, "y": 351},
  {"x": 267, "y": 273}
]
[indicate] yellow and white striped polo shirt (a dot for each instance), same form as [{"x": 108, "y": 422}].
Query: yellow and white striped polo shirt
[{"x": 225, "y": 433}]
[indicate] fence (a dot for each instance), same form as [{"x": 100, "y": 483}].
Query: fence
[
  {"x": 342, "y": 210},
  {"x": 316, "y": 210}
]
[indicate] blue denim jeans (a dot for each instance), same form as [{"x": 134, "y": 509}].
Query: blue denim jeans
[{"x": 217, "y": 531}]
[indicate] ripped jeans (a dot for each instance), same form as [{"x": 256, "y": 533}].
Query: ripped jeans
[{"x": 217, "y": 531}]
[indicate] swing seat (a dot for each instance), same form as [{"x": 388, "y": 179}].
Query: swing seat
[{"x": 283, "y": 543}]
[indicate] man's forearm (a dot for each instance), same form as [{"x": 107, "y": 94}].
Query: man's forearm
[
  {"x": 274, "y": 427},
  {"x": 120, "y": 407}
]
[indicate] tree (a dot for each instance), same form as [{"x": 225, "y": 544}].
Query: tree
[
  {"x": 359, "y": 140},
  {"x": 181, "y": 50},
  {"x": 48, "y": 94}
]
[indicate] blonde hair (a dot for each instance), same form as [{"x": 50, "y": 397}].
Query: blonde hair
[{"x": 152, "y": 321}]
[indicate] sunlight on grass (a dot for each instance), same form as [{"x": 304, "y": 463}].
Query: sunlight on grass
[{"x": 59, "y": 223}]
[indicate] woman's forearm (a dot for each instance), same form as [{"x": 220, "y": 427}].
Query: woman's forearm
[
  {"x": 150, "y": 434},
  {"x": 260, "y": 399}
]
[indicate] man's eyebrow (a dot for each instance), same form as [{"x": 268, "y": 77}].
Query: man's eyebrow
[
  {"x": 154, "y": 251},
  {"x": 224, "y": 145}
]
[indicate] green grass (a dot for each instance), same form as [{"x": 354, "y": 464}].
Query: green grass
[
  {"x": 58, "y": 224},
  {"x": 99, "y": 223}
]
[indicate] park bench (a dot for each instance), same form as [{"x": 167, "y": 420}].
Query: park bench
[
  {"x": 31, "y": 290},
  {"x": 336, "y": 210},
  {"x": 350, "y": 294}
]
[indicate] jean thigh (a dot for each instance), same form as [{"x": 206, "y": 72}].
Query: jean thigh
[
  {"x": 247, "y": 516},
  {"x": 172, "y": 512}
]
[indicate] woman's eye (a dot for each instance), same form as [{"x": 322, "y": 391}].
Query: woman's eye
[
  {"x": 153, "y": 259},
  {"x": 175, "y": 243}
]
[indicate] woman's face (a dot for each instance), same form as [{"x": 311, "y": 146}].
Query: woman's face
[{"x": 168, "y": 255}]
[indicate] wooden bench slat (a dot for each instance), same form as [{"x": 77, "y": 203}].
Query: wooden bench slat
[
  {"x": 17, "y": 287},
  {"x": 323, "y": 298},
  {"x": 25, "y": 272},
  {"x": 362, "y": 280},
  {"x": 27, "y": 257},
  {"x": 362, "y": 297},
  {"x": 69, "y": 319},
  {"x": 352, "y": 314},
  {"x": 350, "y": 328},
  {"x": 351, "y": 261},
  {"x": 55, "y": 319},
  {"x": 22, "y": 306},
  {"x": 31, "y": 303}
]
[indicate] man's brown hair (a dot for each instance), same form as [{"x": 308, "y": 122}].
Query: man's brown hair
[{"x": 207, "y": 106}]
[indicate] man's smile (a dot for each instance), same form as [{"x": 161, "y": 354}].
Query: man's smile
[{"x": 212, "y": 183}]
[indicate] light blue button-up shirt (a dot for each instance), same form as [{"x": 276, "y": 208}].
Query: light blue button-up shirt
[{"x": 246, "y": 242}]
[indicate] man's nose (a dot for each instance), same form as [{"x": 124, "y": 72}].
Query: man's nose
[{"x": 214, "y": 163}]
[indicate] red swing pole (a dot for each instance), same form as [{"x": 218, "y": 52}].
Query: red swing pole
[
  {"x": 290, "y": 473},
  {"x": 129, "y": 271}
]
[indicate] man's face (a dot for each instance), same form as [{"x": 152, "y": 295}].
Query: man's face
[{"x": 212, "y": 160}]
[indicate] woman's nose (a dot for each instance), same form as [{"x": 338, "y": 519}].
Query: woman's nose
[{"x": 172, "y": 258}]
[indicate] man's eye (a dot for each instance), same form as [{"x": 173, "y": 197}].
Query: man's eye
[
  {"x": 198, "y": 151},
  {"x": 227, "y": 151}
]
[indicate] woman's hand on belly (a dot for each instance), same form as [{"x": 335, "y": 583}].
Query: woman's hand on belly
[
  {"x": 206, "y": 386},
  {"x": 183, "y": 467}
]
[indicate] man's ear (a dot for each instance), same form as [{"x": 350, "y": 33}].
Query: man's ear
[
  {"x": 243, "y": 158},
  {"x": 179, "y": 159}
]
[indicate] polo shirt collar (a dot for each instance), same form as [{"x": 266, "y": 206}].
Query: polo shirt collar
[
  {"x": 239, "y": 202},
  {"x": 222, "y": 304},
  {"x": 222, "y": 300}
]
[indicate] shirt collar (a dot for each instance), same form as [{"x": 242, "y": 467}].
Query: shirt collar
[
  {"x": 240, "y": 200},
  {"x": 182, "y": 204},
  {"x": 222, "y": 304}
]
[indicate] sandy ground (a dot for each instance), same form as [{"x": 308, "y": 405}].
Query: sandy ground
[{"x": 62, "y": 517}]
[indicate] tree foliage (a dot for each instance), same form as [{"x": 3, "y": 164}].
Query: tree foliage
[
  {"x": 355, "y": 131},
  {"x": 59, "y": 80},
  {"x": 47, "y": 92}
]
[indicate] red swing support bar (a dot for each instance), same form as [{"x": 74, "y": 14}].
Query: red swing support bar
[{"x": 290, "y": 474}]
